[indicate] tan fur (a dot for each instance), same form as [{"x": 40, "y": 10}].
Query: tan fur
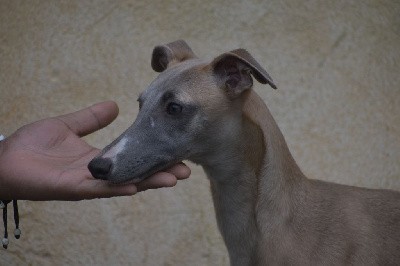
[
  {"x": 281, "y": 218},
  {"x": 253, "y": 145}
]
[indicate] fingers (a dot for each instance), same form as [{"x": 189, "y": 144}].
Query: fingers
[
  {"x": 91, "y": 119},
  {"x": 93, "y": 188},
  {"x": 158, "y": 180},
  {"x": 102, "y": 189},
  {"x": 169, "y": 178},
  {"x": 180, "y": 170}
]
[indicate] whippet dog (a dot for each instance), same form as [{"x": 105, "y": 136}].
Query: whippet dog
[{"x": 267, "y": 211}]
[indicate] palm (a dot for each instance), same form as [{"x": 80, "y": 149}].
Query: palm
[{"x": 50, "y": 152}]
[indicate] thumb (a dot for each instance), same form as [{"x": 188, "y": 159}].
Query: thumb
[{"x": 91, "y": 119}]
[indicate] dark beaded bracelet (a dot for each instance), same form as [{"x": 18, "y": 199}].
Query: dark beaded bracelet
[{"x": 17, "y": 231}]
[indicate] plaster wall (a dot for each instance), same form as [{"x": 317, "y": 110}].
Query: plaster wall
[{"x": 336, "y": 64}]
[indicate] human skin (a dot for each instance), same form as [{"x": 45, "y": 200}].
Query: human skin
[{"x": 47, "y": 160}]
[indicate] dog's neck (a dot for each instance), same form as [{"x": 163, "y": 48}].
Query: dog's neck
[
  {"x": 279, "y": 170},
  {"x": 256, "y": 170}
]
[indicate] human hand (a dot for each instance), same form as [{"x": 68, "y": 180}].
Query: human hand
[{"x": 47, "y": 160}]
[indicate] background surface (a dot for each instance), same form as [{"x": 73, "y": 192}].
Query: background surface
[{"x": 336, "y": 64}]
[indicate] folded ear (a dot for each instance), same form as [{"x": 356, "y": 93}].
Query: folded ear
[
  {"x": 234, "y": 70},
  {"x": 174, "y": 52}
]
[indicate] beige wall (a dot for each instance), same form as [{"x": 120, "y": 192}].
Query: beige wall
[{"x": 336, "y": 63}]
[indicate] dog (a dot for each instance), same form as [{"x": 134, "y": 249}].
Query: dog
[{"x": 267, "y": 211}]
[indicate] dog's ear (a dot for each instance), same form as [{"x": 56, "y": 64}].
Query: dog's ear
[
  {"x": 174, "y": 52},
  {"x": 234, "y": 70}
]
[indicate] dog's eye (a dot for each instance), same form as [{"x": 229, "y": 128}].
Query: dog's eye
[{"x": 174, "y": 108}]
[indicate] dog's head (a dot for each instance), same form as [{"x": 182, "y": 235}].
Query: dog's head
[{"x": 186, "y": 113}]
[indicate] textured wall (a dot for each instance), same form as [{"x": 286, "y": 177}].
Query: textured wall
[{"x": 336, "y": 63}]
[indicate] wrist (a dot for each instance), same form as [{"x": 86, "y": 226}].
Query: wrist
[
  {"x": 1, "y": 144},
  {"x": 2, "y": 154}
]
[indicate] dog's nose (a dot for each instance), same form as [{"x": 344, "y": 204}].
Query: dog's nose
[{"x": 100, "y": 167}]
